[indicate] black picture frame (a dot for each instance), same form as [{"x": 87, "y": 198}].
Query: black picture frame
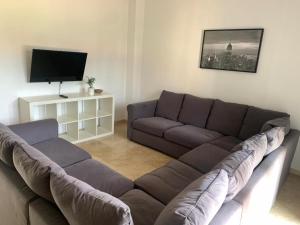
[{"x": 241, "y": 50}]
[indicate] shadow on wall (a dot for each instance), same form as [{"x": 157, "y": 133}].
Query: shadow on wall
[{"x": 27, "y": 53}]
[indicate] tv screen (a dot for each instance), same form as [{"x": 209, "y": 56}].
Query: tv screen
[{"x": 57, "y": 66}]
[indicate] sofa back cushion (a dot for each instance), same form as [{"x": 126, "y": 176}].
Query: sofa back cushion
[
  {"x": 283, "y": 122},
  {"x": 255, "y": 119},
  {"x": 8, "y": 140},
  {"x": 34, "y": 167},
  {"x": 226, "y": 118},
  {"x": 198, "y": 203},
  {"x": 81, "y": 204},
  {"x": 275, "y": 138},
  {"x": 240, "y": 164},
  {"x": 169, "y": 105},
  {"x": 195, "y": 110}
]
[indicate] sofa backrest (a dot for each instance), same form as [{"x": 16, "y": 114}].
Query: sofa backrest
[{"x": 232, "y": 119}]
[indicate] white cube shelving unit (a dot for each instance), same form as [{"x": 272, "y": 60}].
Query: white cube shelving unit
[{"x": 80, "y": 117}]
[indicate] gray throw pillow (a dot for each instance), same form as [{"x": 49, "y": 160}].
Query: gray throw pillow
[
  {"x": 8, "y": 140},
  {"x": 81, "y": 204},
  {"x": 275, "y": 138},
  {"x": 198, "y": 203},
  {"x": 240, "y": 164},
  {"x": 34, "y": 167}
]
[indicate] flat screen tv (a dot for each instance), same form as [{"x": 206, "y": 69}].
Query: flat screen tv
[{"x": 57, "y": 66}]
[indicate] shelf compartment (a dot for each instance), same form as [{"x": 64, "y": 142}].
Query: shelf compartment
[
  {"x": 41, "y": 112},
  {"x": 105, "y": 107},
  {"x": 87, "y": 109},
  {"x": 87, "y": 129},
  {"x": 69, "y": 131},
  {"x": 67, "y": 112},
  {"x": 104, "y": 125},
  {"x": 104, "y": 114}
]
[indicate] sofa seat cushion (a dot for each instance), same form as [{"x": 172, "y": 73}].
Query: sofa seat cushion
[
  {"x": 226, "y": 142},
  {"x": 169, "y": 105},
  {"x": 155, "y": 125},
  {"x": 226, "y": 118},
  {"x": 166, "y": 182},
  {"x": 190, "y": 136},
  {"x": 100, "y": 177},
  {"x": 198, "y": 203},
  {"x": 62, "y": 152},
  {"x": 195, "y": 110},
  {"x": 81, "y": 204},
  {"x": 204, "y": 157},
  {"x": 36, "y": 131},
  {"x": 255, "y": 119},
  {"x": 144, "y": 209}
]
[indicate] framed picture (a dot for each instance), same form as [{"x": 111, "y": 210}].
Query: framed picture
[{"x": 231, "y": 49}]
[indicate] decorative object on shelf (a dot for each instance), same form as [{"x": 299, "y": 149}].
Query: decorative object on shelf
[
  {"x": 98, "y": 91},
  {"x": 231, "y": 49},
  {"x": 91, "y": 82}
]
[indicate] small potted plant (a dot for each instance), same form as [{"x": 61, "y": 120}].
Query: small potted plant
[{"x": 91, "y": 82}]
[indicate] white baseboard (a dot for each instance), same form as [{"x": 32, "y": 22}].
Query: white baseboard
[{"x": 295, "y": 172}]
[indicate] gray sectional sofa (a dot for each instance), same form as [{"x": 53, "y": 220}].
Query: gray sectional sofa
[
  {"x": 222, "y": 174},
  {"x": 200, "y": 133}
]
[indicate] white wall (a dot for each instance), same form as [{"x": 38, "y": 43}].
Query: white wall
[
  {"x": 171, "y": 47},
  {"x": 98, "y": 27}
]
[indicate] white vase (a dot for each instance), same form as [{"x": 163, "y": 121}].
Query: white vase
[{"x": 91, "y": 91}]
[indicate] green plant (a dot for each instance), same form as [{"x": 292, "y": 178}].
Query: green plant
[{"x": 91, "y": 81}]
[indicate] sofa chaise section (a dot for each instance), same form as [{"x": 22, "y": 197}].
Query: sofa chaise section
[{"x": 166, "y": 182}]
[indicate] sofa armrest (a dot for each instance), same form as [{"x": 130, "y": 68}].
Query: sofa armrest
[
  {"x": 37, "y": 131},
  {"x": 139, "y": 110}
]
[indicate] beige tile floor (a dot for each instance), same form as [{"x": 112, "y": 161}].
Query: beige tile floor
[{"x": 133, "y": 160}]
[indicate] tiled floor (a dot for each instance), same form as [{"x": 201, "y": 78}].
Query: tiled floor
[{"x": 133, "y": 160}]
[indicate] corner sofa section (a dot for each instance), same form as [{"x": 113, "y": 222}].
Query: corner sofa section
[
  {"x": 201, "y": 136},
  {"x": 22, "y": 206}
]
